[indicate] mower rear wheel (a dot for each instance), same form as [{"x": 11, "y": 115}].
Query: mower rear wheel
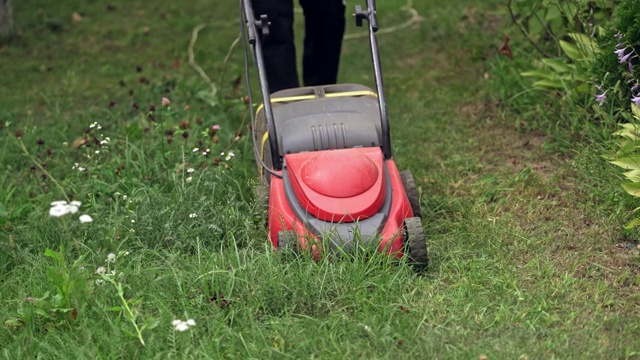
[
  {"x": 411, "y": 191},
  {"x": 287, "y": 240},
  {"x": 416, "y": 243}
]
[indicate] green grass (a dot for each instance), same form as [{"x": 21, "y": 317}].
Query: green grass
[{"x": 528, "y": 256}]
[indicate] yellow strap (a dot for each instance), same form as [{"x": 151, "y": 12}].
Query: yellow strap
[
  {"x": 287, "y": 99},
  {"x": 352, "y": 93},
  {"x": 310, "y": 97},
  {"x": 265, "y": 137}
]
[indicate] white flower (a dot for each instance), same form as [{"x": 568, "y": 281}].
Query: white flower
[
  {"x": 124, "y": 197},
  {"x": 230, "y": 155},
  {"x": 194, "y": 215},
  {"x": 105, "y": 141},
  {"x": 60, "y": 208},
  {"x": 180, "y": 325},
  {"x": 99, "y": 282},
  {"x": 190, "y": 170},
  {"x": 111, "y": 257},
  {"x": 132, "y": 220},
  {"x": 95, "y": 125},
  {"x": 97, "y": 151},
  {"x": 196, "y": 149},
  {"x": 189, "y": 179},
  {"x": 101, "y": 270},
  {"x": 85, "y": 218}
]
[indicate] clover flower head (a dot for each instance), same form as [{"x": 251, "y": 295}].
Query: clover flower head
[
  {"x": 111, "y": 257},
  {"x": 84, "y": 218},
  {"x": 190, "y": 170},
  {"x": 165, "y": 101},
  {"x": 60, "y": 208},
  {"x": 101, "y": 270},
  {"x": 180, "y": 325},
  {"x": 189, "y": 179}
]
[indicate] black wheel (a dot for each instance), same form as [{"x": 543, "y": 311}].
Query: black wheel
[
  {"x": 412, "y": 191},
  {"x": 287, "y": 240},
  {"x": 416, "y": 243}
]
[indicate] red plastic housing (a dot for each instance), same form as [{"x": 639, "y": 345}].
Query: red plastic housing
[{"x": 339, "y": 186}]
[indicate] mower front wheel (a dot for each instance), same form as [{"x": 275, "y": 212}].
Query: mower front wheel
[
  {"x": 287, "y": 240},
  {"x": 416, "y": 243}
]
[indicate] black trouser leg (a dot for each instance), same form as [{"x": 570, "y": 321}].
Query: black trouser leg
[
  {"x": 324, "y": 29},
  {"x": 279, "y": 49}
]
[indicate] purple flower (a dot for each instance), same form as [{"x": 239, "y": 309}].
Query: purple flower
[
  {"x": 620, "y": 52},
  {"x": 601, "y": 98},
  {"x": 624, "y": 58},
  {"x": 618, "y": 35},
  {"x": 620, "y": 45},
  {"x": 636, "y": 100},
  {"x": 630, "y": 67},
  {"x": 635, "y": 87}
]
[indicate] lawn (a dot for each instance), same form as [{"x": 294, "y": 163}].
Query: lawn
[{"x": 528, "y": 255}]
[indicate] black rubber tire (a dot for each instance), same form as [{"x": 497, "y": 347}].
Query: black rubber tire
[
  {"x": 411, "y": 191},
  {"x": 287, "y": 241},
  {"x": 416, "y": 243}
]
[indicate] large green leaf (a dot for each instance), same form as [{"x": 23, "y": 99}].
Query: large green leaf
[
  {"x": 571, "y": 50},
  {"x": 631, "y": 224},
  {"x": 539, "y": 73},
  {"x": 549, "y": 84},
  {"x": 633, "y": 175},
  {"x": 632, "y": 188},
  {"x": 585, "y": 43},
  {"x": 558, "y": 65},
  {"x": 629, "y": 131},
  {"x": 628, "y": 163}
]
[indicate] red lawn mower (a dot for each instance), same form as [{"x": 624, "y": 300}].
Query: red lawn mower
[{"x": 327, "y": 171}]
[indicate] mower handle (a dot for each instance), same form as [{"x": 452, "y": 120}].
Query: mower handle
[
  {"x": 253, "y": 25},
  {"x": 370, "y": 16}
]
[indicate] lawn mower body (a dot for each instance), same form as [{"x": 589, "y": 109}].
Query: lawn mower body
[{"x": 324, "y": 155}]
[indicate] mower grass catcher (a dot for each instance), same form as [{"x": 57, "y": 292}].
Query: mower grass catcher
[{"x": 324, "y": 156}]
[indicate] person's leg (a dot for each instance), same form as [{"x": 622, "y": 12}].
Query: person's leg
[
  {"x": 279, "y": 49},
  {"x": 324, "y": 29}
]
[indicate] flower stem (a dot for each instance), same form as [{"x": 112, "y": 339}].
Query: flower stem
[{"x": 37, "y": 163}]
